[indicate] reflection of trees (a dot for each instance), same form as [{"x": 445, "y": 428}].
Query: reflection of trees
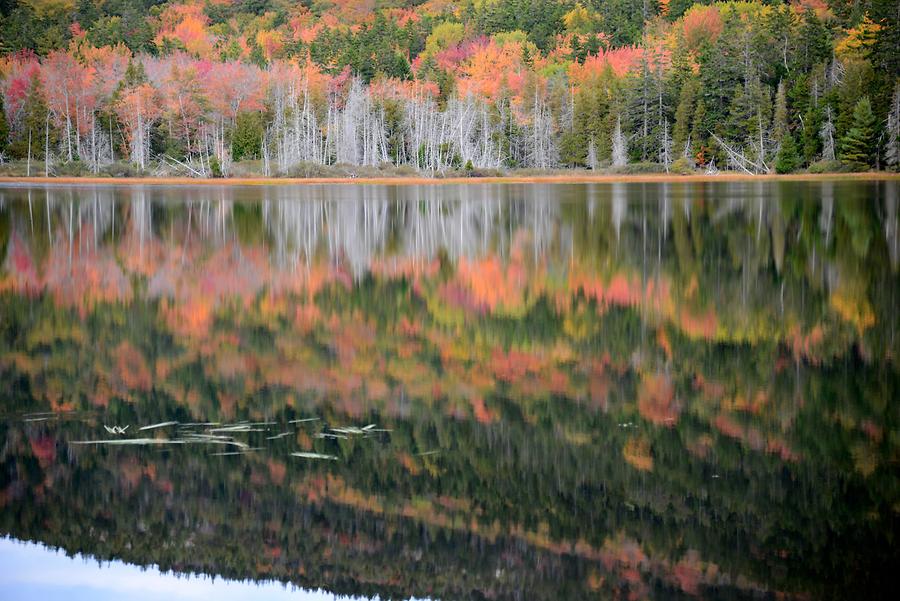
[
  {"x": 357, "y": 224},
  {"x": 741, "y": 255},
  {"x": 787, "y": 401},
  {"x": 544, "y": 496}
]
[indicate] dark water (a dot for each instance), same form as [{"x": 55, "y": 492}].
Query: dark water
[{"x": 503, "y": 392}]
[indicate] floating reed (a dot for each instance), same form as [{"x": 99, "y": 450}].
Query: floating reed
[
  {"x": 159, "y": 425},
  {"x": 314, "y": 456}
]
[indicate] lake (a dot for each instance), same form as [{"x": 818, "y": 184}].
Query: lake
[{"x": 482, "y": 391}]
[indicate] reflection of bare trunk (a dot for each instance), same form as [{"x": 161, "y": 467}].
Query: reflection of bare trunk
[
  {"x": 619, "y": 207},
  {"x": 47, "y": 209},
  {"x": 30, "y": 213},
  {"x": 827, "y": 213},
  {"x": 890, "y": 224},
  {"x": 141, "y": 220},
  {"x": 71, "y": 233}
]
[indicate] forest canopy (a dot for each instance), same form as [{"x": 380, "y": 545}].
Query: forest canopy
[{"x": 197, "y": 87}]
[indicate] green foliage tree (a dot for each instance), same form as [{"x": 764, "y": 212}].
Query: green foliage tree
[
  {"x": 858, "y": 144},
  {"x": 699, "y": 133},
  {"x": 813, "y": 43},
  {"x": 787, "y": 160},
  {"x": 592, "y": 121},
  {"x": 542, "y": 20},
  {"x": 687, "y": 99},
  {"x": 780, "y": 120},
  {"x": 246, "y": 140},
  {"x": 810, "y": 140},
  {"x": 33, "y": 126}
]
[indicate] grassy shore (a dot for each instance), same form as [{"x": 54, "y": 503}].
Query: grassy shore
[
  {"x": 504, "y": 179},
  {"x": 248, "y": 174}
]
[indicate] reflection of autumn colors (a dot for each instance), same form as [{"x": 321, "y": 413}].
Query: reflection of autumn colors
[{"x": 586, "y": 361}]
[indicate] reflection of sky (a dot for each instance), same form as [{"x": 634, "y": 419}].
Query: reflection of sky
[{"x": 29, "y": 571}]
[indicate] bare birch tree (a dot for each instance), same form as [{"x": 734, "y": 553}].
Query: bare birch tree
[{"x": 619, "y": 145}]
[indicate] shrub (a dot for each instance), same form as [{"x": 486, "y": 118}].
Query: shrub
[
  {"x": 826, "y": 166},
  {"x": 682, "y": 166},
  {"x": 120, "y": 169},
  {"x": 215, "y": 167},
  {"x": 639, "y": 168}
]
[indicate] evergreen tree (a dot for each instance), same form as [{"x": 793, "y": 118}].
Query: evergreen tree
[
  {"x": 741, "y": 115},
  {"x": 858, "y": 144},
  {"x": 810, "y": 140},
  {"x": 681, "y": 132},
  {"x": 593, "y": 119},
  {"x": 787, "y": 160},
  {"x": 813, "y": 42},
  {"x": 856, "y": 80},
  {"x": 34, "y": 121},
  {"x": 246, "y": 142},
  {"x": 699, "y": 144},
  {"x": 780, "y": 120}
]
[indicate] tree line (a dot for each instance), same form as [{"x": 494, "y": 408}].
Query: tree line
[{"x": 755, "y": 87}]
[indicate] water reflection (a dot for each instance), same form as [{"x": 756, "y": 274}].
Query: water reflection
[{"x": 459, "y": 391}]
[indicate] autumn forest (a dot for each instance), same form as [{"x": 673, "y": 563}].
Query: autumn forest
[{"x": 472, "y": 87}]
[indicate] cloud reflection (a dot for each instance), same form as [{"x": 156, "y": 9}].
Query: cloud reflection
[{"x": 30, "y": 571}]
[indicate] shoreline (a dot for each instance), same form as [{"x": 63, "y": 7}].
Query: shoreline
[{"x": 421, "y": 180}]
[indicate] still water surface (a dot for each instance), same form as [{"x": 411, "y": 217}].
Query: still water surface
[{"x": 457, "y": 392}]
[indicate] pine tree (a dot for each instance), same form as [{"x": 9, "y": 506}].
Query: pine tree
[
  {"x": 33, "y": 121},
  {"x": 811, "y": 141},
  {"x": 681, "y": 132},
  {"x": 247, "y": 137},
  {"x": 780, "y": 120},
  {"x": 858, "y": 144},
  {"x": 787, "y": 159},
  {"x": 699, "y": 134},
  {"x": 741, "y": 117}
]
